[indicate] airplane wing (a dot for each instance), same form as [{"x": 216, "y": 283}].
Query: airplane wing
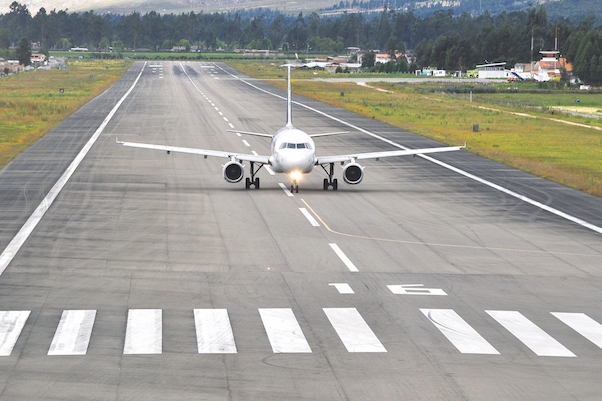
[
  {"x": 250, "y": 133},
  {"x": 203, "y": 152},
  {"x": 378, "y": 155}
]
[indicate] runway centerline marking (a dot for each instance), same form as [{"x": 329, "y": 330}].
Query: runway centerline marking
[
  {"x": 309, "y": 217},
  {"x": 440, "y": 163},
  {"x": 17, "y": 242},
  {"x": 399, "y": 241},
  {"x": 285, "y": 189},
  {"x": 343, "y": 257}
]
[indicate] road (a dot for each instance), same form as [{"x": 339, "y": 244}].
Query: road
[{"x": 149, "y": 277}]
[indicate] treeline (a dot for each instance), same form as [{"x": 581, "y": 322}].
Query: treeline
[{"x": 439, "y": 40}]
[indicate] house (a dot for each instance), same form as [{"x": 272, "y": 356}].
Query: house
[
  {"x": 383, "y": 58},
  {"x": 38, "y": 59}
]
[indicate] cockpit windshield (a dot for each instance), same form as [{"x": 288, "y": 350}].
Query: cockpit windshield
[{"x": 286, "y": 145}]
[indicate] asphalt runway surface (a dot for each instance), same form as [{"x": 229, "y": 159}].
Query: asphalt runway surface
[{"x": 447, "y": 277}]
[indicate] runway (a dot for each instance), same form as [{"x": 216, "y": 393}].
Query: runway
[{"x": 149, "y": 277}]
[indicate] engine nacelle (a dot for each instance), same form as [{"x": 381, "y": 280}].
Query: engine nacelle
[
  {"x": 233, "y": 171},
  {"x": 353, "y": 173}
]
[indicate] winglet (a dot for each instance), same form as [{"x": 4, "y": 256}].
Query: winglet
[{"x": 289, "y": 105}]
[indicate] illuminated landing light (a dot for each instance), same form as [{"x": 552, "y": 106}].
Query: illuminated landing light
[{"x": 296, "y": 176}]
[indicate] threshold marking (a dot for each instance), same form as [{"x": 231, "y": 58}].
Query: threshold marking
[
  {"x": 343, "y": 257},
  {"x": 458, "y": 332},
  {"x": 73, "y": 333},
  {"x": 11, "y": 325},
  {"x": 342, "y": 288},
  {"x": 17, "y": 242},
  {"x": 582, "y": 324},
  {"x": 440, "y": 163},
  {"x": 309, "y": 217},
  {"x": 283, "y": 330},
  {"x": 214, "y": 332},
  {"x": 285, "y": 189},
  {"x": 144, "y": 332},
  {"x": 353, "y": 330},
  {"x": 531, "y": 335}
]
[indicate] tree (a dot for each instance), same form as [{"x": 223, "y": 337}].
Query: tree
[
  {"x": 24, "y": 52},
  {"x": 4, "y": 38}
]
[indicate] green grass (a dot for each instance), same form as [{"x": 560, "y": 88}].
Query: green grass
[
  {"x": 563, "y": 153},
  {"x": 31, "y": 102}
]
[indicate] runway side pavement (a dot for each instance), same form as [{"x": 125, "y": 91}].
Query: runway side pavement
[{"x": 152, "y": 278}]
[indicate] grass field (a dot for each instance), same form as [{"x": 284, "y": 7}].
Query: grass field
[
  {"x": 563, "y": 153},
  {"x": 31, "y": 102}
]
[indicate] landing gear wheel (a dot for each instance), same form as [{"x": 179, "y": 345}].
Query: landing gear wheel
[
  {"x": 326, "y": 184},
  {"x": 248, "y": 183},
  {"x": 257, "y": 183},
  {"x": 335, "y": 184}
]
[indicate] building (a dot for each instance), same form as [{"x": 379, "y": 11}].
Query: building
[{"x": 493, "y": 71}]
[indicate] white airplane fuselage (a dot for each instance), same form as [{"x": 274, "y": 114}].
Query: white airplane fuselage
[{"x": 293, "y": 151}]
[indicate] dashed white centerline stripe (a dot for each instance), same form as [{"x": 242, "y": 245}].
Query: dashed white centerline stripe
[
  {"x": 17, "y": 242},
  {"x": 225, "y": 119},
  {"x": 231, "y": 126},
  {"x": 343, "y": 257},
  {"x": 309, "y": 217},
  {"x": 285, "y": 189},
  {"x": 246, "y": 143},
  {"x": 270, "y": 170}
]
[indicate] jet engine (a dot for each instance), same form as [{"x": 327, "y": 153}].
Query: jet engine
[
  {"x": 233, "y": 171},
  {"x": 353, "y": 173}
]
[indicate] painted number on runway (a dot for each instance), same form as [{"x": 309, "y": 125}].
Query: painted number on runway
[{"x": 415, "y": 289}]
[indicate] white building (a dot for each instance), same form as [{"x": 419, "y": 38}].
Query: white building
[{"x": 493, "y": 71}]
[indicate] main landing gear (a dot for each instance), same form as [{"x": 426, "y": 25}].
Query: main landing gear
[
  {"x": 330, "y": 182},
  {"x": 253, "y": 180}
]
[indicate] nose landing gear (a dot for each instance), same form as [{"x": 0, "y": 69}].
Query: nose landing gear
[{"x": 295, "y": 187}]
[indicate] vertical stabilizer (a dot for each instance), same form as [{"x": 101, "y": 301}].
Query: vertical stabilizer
[{"x": 289, "y": 105}]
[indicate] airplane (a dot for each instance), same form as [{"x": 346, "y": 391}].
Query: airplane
[{"x": 294, "y": 153}]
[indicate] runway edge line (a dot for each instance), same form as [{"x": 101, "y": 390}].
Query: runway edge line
[{"x": 17, "y": 242}]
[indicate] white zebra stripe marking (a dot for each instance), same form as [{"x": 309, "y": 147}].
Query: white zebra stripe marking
[
  {"x": 283, "y": 331},
  {"x": 73, "y": 334},
  {"x": 353, "y": 330}
]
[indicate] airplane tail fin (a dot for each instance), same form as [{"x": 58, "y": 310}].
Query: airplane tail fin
[{"x": 289, "y": 105}]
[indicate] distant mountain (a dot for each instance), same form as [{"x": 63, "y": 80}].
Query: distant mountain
[{"x": 575, "y": 9}]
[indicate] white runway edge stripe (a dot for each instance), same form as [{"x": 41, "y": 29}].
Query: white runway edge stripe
[
  {"x": 353, "y": 330},
  {"x": 532, "y": 336},
  {"x": 17, "y": 242},
  {"x": 73, "y": 333},
  {"x": 144, "y": 332},
  {"x": 458, "y": 332},
  {"x": 442, "y": 164},
  {"x": 214, "y": 332},
  {"x": 283, "y": 331},
  {"x": 11, "y": 325}
]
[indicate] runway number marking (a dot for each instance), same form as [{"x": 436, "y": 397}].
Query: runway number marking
[
  {"x": 411, "y": 289},
  {"x": 342, "y": 288},
  {"x": 309, "y": 217},
  {"x": 214, "y": 332},
  {"x": 532, "y": 336},
  {"x": 458, "y": 332},
  {"x": 283, "y": 331},
  {"x": 343, "y": 257}
]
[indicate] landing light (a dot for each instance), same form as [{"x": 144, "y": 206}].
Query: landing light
[{"x": 295, "y": 175}]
